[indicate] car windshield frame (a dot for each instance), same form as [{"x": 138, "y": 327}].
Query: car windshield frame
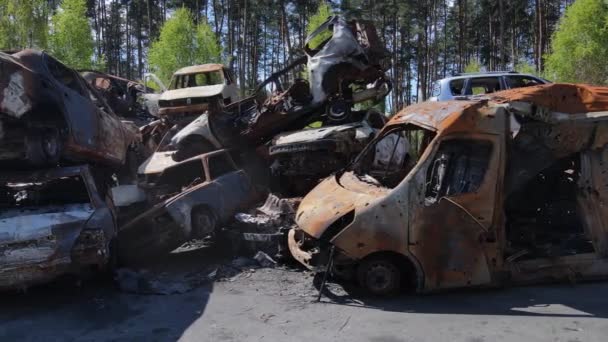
[{"x": 190, "y": 80}]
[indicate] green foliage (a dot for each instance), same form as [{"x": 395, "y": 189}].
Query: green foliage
[
  {"x": 473, "y": 66},
  {"x": 71, "y": 39},
  {"x": 323, "y": 12},
  {"x": 580, "y": 44},
  {"x": 525, "y": 68},
  {"x": 23, "y": 24},
  {"x": 182, "y": 43}
]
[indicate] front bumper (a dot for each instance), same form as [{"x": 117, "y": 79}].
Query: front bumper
[
  {"x": 25, "y": 264},
  {"x": 306, "y": 250}
]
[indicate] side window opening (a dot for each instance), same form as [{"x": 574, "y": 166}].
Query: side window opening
[
  {"x": 183, "y": 175},
  {"x": 457, "y": 87},
  {"x": 59, "y": 191},
  {"x": 485, "y": 85},
  {"x": 521, "y": 81},
  {"x": 220, "y": 165},
  {"x": 543, "y": 216},
  {"x": 459, "y": 167},
  {"x": 388, "y": 160}
]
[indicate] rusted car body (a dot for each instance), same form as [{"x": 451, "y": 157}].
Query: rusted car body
[
  {"x": 52, "y": 222},
  {"x": 49, "y": 112},
  {"x": 503, "y": 188},
  {"x": 195, "y": 88},
  {"x": 191, "y": 198},
  {"x": 122, "y": 95}
]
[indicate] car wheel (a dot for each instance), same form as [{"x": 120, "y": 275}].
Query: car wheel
[
  {"x": 43, "y": 146},
  {"x": 204, "y": 222},
  {"x": 379, "y": 275}
]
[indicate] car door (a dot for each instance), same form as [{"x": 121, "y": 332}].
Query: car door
[
  {"x": 112, "y": 142},
  {"x": 453, "y": 230},
  {"x": 80, "y": 112},
  {"x": 235, "y": 187}
]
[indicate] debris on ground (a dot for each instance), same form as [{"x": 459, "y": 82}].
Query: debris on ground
[{"x": 142, "y": 282}]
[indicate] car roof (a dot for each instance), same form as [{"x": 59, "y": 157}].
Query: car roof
[
  {"x": 199, "y": 68},
  {"x": 484, "y": 74},
  {"x": 566, "y": 98}
]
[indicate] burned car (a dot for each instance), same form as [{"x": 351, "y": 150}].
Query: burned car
[
  {"x": 121, "y": 94},
  {"x": 314, "y": 153},
  {"x": 346, "y": 66},
  {"x": 52, "y": 222},
  {"x": 192, "y": 198},
  {"x": 195, "y": 88},
  {"x": 503, "y": 188},
  {"x": 49, "y": 112}
]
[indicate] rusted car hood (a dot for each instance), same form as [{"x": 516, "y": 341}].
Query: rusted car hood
[
  {"x": 205, "y": 91},
  {"x": 330, "y": 200}
]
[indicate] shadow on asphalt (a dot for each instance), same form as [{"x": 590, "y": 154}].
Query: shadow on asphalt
[
  {"x": 73, "y": 309},
  {"x": 580, "y": 300}
]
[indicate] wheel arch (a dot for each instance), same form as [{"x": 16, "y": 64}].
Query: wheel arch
[{"x": 411, "y": 270}]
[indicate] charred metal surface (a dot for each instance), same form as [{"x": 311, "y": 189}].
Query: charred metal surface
[
  {"x": 51, "y": 223},
  {"x": 506, "y": 187},
  {"x": 192, "y": 197},
  {"x": 53, "y": 113},
  {"x": 122, "y": 95},
  {"x": 347, "y": 68},
  {"x": 304, "y": 157}
]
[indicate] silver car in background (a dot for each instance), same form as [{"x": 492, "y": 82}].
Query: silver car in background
[{"x": 467, "y": 84}]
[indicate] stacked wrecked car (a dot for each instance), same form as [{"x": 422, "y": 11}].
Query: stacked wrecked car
[
  {"x": 83, "y": 187},
  {"x": 60, "y": 144}
]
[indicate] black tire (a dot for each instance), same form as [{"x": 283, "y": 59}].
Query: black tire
[
  {"x": 204, "y": 222},
  {"x": 379, "y": 275},
  {"x": 44, "y": 146}
]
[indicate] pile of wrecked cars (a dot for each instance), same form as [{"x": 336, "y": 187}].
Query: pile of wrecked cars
[
  {"x": 505, "y": 188},
  {"x": 60, "y": 145},
  {"x": 82, "y": 188}
]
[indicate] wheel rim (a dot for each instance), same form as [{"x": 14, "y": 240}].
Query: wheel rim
[{"x": 380, "y": 278}]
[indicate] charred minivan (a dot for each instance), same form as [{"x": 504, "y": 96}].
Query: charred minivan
[{"x": 507, "y": 188}]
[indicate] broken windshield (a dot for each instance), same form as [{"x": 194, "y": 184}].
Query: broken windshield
[
  {"x": 197, "y": 80},
  {"x": 389, "y": 158}
]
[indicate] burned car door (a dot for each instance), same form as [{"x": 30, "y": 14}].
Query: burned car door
[
  {"x": 91, "y": 122},
  {"x": 450, "y": 232},
  {"x": 78, "y": 108},
  {"x": 235, "y": 187}
]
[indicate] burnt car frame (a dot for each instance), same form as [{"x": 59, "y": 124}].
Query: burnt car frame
[
  {"x": 192, "y": 198},
  {"x": 52, "y": 222},
  {"x": 501, "y": 189},
  {"x": 122, "y": 95},
  {"x": 49, "y": 112}
]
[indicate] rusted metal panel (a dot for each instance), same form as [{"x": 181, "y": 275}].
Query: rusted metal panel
[
  {"x": 558, "y": 97},
  {"x": 470, "y": 238},
  {"x": 44, "y": 100}
]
